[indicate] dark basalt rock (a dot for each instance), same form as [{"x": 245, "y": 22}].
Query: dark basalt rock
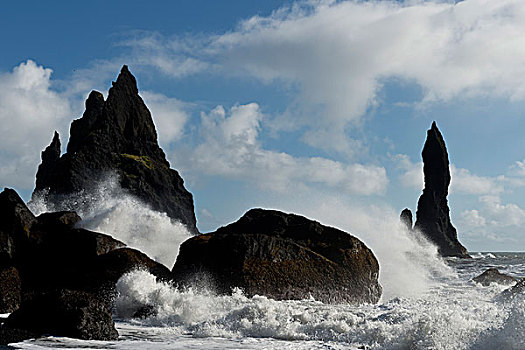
[
  {"x": 283, "y": 256},
  {"x": 15, "y": 224},
  {"x": 493, "y": 275},
  {"x": 115, "y": 136},
  {"x": 108, "y": 268},
  {"x": 58, "y": 220},
  {"x": 10, "y": 289},
  {"x": 64, "y": 313},
  {"x": 406, "y": 219},
  {"x": 12, "y": 335},
  {"x": 433, "y": 219}
]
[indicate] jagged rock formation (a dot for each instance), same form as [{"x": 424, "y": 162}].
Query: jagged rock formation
[
  {"x": 433, "y": 219},
  {"x": 47, "y": 254},
  {"x": 115, "y": 136},
  {"x": 283, "y": 256},
  {"x": 406, "y": 219}
]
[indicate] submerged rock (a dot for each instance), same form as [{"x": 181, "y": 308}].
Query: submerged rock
[
  {"x": 406, "y": 219},
  {"x": 493, "y": 275},
  {"x": 64, "y": 313},
  {"x": 282, "y": 256},
  {"x": 115, "y": 136},
  {"x": 433, "y": 219}
]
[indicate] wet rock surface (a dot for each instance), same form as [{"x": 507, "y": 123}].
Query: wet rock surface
[
  {"x": 283, "y": 256},
  {"x": 66, "y": 313}
]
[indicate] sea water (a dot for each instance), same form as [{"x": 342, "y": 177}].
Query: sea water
[
  {"x": 455, "y": 313},
  {"x": 427, "y": 302}
]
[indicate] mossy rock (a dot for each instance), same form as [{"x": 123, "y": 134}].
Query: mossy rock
[{"x": 144, "y": 160}]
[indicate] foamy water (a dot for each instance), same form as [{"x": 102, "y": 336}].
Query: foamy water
[
  {"x": 454, "y": 314},
  {"x": 111, "y": 210},
  {"x": 428, "y": 303}
]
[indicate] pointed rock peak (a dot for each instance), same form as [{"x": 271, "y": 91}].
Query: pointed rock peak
[
  {"x": 95, "y": 100},
  {"x": 52, "y": 152},
  {"x": 126, "y": 81},
  {"x": 434, "y": 134}
]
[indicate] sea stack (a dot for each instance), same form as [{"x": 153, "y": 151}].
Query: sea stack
[
  {"x": 432, "y": 216},
  {"x": 115, "y": 136}
]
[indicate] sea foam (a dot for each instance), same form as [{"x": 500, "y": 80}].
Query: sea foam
[{"x": 109, "y": 209}]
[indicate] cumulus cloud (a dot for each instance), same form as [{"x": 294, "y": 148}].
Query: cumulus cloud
[
  {"x": 462, "y": 180},
  {"x": 231, "y": 148},
  {"x": 31, "y": 110},
  {"x": 473, "y": 219},
  {"x": 338, "y": 54},
  {"x": 169, "y": 115},
  {"x": 493, "y": 221}
]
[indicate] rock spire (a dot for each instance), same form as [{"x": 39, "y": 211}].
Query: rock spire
[
  {"x": 116, "y": 135},
  {"x": 433, "y": 219}
]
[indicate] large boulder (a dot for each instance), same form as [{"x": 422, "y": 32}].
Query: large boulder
[
  {"x": 283, "y": 256},
  {"x": 108, "y": 268},
  {"x": 116, "y": 135},
  {"x": 64, "y": 313},
  {"x": 432, "y": 216},
  {"x": 16, "y": 221},
  {"x": 10, "y": 289}
]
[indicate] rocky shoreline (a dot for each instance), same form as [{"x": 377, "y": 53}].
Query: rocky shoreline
[{"x": 58, "y": 279}]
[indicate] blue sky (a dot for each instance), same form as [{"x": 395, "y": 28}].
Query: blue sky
[{"x": 315, "y": 107}]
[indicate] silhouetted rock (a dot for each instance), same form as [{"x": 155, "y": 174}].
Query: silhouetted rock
[
  {"x": 108, "y": 268},
  {"x": 13, "y": 335},
  {"x": 16, "y": 221},
  {"x": 406, "y": 219},
  {"x": 283, "y": 256},
  {"x": 65, "y": 313},
  {"x": 493, "y": 275},
  {"x": 58, "y": 220},
  {"x": 10, "y": 289},
  {"x": 115, "y": 136},
  {"x": 433, "y": 218}
]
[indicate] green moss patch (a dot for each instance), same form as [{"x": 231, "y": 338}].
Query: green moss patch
[{"x": 144, "y": 160}]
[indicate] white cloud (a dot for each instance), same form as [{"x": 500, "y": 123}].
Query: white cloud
[
  {"x": 502, "y": 214},
  {"x": 231, "y": 148},
  {"x": 169, "y": 115},
  {"x": 412, "y": 175},
  {"x": 473, "y": 219},
  {"x": 338, "y": 54},
  {"x": 31, "y": 110},
  {"x": 462, "y": 180}
]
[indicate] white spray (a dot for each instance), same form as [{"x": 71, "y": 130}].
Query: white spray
[{"x": 109, "y": 209}]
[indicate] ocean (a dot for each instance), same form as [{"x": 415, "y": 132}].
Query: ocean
[
  {"x": 452, "y": 313},
  {"x": 427, "y": 303}
]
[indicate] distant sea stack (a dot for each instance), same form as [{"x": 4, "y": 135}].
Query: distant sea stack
[
  {"x": 282, "y": 256},
  {"x": 432, "y": 216},
  {"x": 115, "y": 136}
]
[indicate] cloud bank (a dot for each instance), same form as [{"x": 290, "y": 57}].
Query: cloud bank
[
  {"x": 337, "y": 55},
  {"x": 231, "y": 148},
  {"x": 30, "y": 110}
]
